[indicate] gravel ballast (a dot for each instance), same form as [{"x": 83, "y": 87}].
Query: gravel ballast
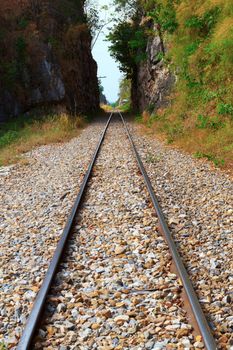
[
  {"x": 115, "y": 289},
  {"x": 197, "y": 201},
  {"x": 35, "y": 202}
]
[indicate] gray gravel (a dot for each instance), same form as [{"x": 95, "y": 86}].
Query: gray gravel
[
  {"x": 198, "y": 203},
  {"x": 115, "y": 289},
  {"x": 35, "y": 200}
]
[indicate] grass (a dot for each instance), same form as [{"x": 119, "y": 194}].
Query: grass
[
  {"x": 24, "y": 133},
  {"x": 106, "y": 108},
  {"x": 199, "y": 118},
  {"x": 125, "y": 108},
  {"x": 213, "y": 142}
]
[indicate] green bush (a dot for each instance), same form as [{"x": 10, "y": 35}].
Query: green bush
[
  {"x": 209, "y": 95},
  {"x": 128, "y": 46},
  {"x": 138, "y": 118},
  {"x": 205, "y": 23},
  {"x": 164, "y": 14},
  {"x": 204, "y": 122},
  {"x": 8, "y": 138},
  {"x": 217, "y": 162},
  {"x": 191, "y": 48},
  {"x": 215, "y": 123},
  {"x": 225, "y": 108}
]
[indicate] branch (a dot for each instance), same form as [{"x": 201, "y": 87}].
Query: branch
[{"x": 98, "y": 34}]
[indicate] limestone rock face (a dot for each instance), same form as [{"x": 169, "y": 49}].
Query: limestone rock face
[
  {"x": 47, "y": 84},
  {"x": 154, "y": 80},
  {"x": 46, "y": 58}
]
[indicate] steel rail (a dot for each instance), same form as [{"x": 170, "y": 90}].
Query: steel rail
[
  {"x": 33, "y": 319},
  {"x": 192, "y": 297}
]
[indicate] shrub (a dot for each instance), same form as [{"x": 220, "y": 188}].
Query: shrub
[
  {"x": 8, "y": 138},
  {"x": 138, "y": 118},
  {"x": 204, "y": 122},
  {"x": 217, "y": 162},
  {"x": 205, "y": 23},
  {"x": 225, "y": 108},
  {"x": 19, "y": 136}
]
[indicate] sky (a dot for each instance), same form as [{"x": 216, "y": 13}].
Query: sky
[{"x": 107, "y": 67}]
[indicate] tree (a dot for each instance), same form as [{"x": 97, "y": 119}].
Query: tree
[
  {"x": 128, "y": 44},
  {"x": 124, "y": 90},
  {"x": 95, "y": 23}
]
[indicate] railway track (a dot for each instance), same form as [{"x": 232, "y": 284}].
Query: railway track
[{"x": 116, "y": 280}]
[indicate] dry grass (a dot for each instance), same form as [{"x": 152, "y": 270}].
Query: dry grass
[
  {"x": 52, "y": 129},
  {"x": 106, "y": 108},
  {"x": 213, "y": 145},
  {"x": 199, "y": 119}
]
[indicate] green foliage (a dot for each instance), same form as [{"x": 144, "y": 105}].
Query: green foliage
[
  {"x": 160, "y": 56},
  {"x": 204, "y": 122},
  {"x": 228, "y": 147},
  {"x": 138, "y": 40},
  {"x": 193, "y": 22},
  {"x": 191, "y": 48},
  {"x": 138, "y": 118},
  {"x": 217, "y": 162},
  {"x": 205, "y": 23},
  {"x": 126, "y": 107},
  {"x": 164, "y": 15},
  {"x": 128, "y": 44},
  {"x": 25, "y": 132},
  {"x": 209, "y": 95},
  {"x": 8, "y": 138},
  {"x": 225, "y": 108},
  {"x": 199, "y": 38},
  {"x": 113, "y": 104},
  {"x": 11, "y": 131},
  {"x": 124, "y": 94}
]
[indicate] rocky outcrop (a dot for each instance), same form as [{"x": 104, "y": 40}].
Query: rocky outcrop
[
  {"x": 46, "y": 58},
  {"x": 153, "y": 80},
  {"x": 103, "y": 99}
]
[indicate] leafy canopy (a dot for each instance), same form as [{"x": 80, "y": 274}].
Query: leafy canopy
[{"x": 128, "y": 45}]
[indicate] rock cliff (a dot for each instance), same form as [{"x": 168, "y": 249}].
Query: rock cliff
[
  {"x": 46, "y": 57},
  {"x": 153, "y": 80}
]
